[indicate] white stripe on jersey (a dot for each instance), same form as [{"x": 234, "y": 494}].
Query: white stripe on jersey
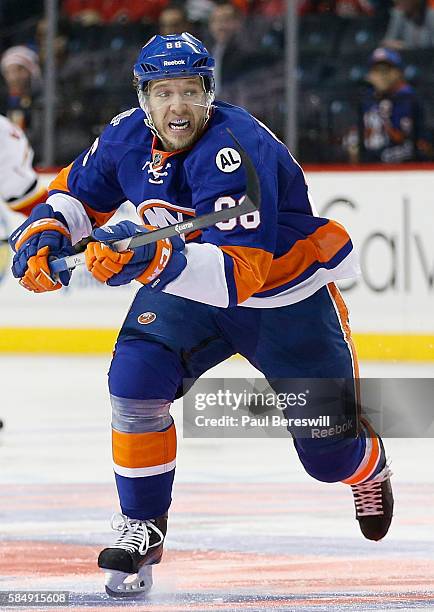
[
  {"x": 203, "y": 279},
  {"x": 348, "y": 268},
  {"x": 74, "y": 213},
  {"x": 164, "y": 204}
]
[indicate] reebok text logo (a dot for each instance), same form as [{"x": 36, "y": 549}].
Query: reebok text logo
[{"x": 174, "y": 63}]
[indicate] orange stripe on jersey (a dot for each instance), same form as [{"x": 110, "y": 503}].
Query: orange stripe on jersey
[
  {"x": 250, "y": 269},
  {"x": 98, "y": 218},
  {"x": 193, "y": 235},
  {"x": 370, "y": 461},
  {"x": 160, "y": 204},
  {"x": 136, "y": 450},
  {"x": 159, "y": 157},
  {"x": 320, "y": 246},
  {"x": 60, "y": 183},
  {"x": 27, "y": 204}
]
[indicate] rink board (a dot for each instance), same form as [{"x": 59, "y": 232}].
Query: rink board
[{"x": 390, "y": 218}]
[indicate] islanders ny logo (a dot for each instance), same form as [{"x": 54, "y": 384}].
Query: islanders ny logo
[
  {"x": 160, "y": 213},
  {"x": 146, "y": 317},
  {"x": 5, "y": 251}
]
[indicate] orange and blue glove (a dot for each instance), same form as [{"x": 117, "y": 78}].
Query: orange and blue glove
[
  {"x": 42, "y": 236},
  {"x": 154, "y": 265}
]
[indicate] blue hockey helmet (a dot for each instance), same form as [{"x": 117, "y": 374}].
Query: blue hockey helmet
[
  {"x": 172, "y": 56},
  {"x": 169, "y": 57}
]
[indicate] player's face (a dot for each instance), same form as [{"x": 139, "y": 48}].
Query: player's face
[{"x": 178, "y": 110}]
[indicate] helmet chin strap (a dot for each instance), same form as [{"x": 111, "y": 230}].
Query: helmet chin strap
[
  {"x": 149, "y": 122},
  {"x": 210, "y": 96}
]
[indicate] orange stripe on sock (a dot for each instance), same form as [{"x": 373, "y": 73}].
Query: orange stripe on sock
[
  {"x": 362, "y": 474},
  {"x": 137, "y": 450}
]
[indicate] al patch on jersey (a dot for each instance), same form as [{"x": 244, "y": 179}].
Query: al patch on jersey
[{"x": 228, "y": 160}]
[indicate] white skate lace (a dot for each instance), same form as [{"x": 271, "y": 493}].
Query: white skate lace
[
  {"x": 135, "y": 534},
  {"x": 368, "y": 496}
]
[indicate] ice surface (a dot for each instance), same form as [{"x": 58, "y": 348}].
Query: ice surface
[{"x": 248, "y": 529}]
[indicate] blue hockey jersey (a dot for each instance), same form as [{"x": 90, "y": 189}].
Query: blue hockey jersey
[{"x": 274, "y": 257}]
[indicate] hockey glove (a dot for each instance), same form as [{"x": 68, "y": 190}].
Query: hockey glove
[
  {"x": 153, "y": 265},
  {"x": 42, "y": 236}
]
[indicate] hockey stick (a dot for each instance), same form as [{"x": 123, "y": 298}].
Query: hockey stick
[{"x": 250, "y": 203}]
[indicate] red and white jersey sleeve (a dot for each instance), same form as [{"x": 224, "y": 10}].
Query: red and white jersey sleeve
[{"x": 19, "y": 184}]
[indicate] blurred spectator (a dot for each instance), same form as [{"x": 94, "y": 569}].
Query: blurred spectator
[
  {"x": 391, "y": 127},
  {"x": 90, "y": 12},
  {"x": 85, "y": 12},
  {"x": 199, "y": 10},
  {"x": 343, "y": 8},
  {"x": 267, "y": 8},
  {"x": 20, "y": 69},
  {"x": 225, "y": 26},
  {"x": 173, "y": 20},
  {"x": 131, "y": 10},
  {"x": 411, "y": 25},
  {"x": 236, "y": 51},
  {"x": 60, "y": 41}
]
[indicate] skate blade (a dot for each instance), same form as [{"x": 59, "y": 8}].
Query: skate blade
[{"x": 120, "y": 584}]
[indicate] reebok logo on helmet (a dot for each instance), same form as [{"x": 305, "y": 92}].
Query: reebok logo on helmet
[{"x": 174, "y": 63}]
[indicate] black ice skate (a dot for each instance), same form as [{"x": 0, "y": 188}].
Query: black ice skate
[
  {"x": 128, "y": 563},
  {"x": 374, "y": 505}
]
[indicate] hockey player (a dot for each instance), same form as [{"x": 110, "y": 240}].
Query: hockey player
[
  {"x": 20, "y": 189},
  {"x": 19, "y": 185},
  {"x": 261, "y": 285}
]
